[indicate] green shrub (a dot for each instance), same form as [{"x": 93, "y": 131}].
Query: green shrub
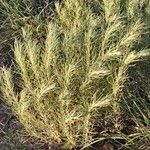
[{"x": 61, "y": 90}]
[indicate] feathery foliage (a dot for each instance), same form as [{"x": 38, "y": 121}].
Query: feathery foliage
[{"x": 65, "y": 87}]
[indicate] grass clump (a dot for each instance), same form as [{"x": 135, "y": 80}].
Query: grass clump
[
  {"x": 60, "y": 90},
  {"x": 16, "y": 14}
]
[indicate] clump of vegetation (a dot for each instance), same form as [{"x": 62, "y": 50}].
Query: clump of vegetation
[
  {"x": 16, "y": 14},
  {"x": 62, "y": 90}
]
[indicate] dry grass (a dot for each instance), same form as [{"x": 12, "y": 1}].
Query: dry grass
[{"x": 60, "y": 91}]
